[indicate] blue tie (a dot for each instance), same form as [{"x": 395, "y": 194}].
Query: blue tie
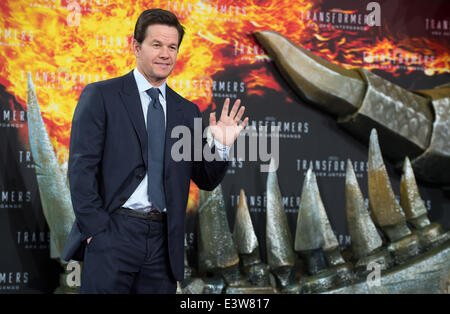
[{"x": 156, "y": 138}]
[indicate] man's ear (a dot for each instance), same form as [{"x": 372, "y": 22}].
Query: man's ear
[{"x": 136, "y": 46}]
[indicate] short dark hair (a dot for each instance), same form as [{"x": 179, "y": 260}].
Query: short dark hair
[{"x": 156, "y": 16}]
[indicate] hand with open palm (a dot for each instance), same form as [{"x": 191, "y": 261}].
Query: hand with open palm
[{"x": 227, "y": 129}]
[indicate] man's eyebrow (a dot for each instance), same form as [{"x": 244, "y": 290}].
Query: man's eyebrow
[{"x": 160, "y": 42}]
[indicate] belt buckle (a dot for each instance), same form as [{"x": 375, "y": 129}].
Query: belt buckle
[{"x": 154, "y": 210}]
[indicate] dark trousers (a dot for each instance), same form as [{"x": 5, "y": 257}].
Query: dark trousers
[{"x": 131, "y": 256}]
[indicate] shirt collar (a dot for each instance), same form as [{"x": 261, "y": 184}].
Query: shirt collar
[{"x": 144, "y": 85}]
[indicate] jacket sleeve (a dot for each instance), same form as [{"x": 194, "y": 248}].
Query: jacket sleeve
[
  {"x": 207, "y": 175},
  {"x": 86, "y": 149}
]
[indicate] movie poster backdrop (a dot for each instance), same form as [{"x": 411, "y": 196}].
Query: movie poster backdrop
[{"x": 65, "y": 45}]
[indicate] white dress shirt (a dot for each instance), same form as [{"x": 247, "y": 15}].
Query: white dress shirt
[{"x": 139, "y": 199}]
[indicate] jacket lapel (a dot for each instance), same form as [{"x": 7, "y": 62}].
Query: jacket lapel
[
  {"x": 174, "y": 111},
  {"x": 132, "y": 103}
]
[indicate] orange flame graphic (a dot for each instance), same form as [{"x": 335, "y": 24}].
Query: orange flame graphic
[{"x": 258, "y": 80}]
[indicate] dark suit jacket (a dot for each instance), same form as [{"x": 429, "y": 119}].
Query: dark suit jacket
[{"x": 108, "y": 160}]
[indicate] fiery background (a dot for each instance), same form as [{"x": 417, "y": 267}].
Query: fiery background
[{"x": 68, "y": 44}]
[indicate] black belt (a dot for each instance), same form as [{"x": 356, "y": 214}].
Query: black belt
[{"x": 147, "y": 215}]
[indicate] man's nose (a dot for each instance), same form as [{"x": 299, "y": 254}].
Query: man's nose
[{"x": 164, "y": 53}]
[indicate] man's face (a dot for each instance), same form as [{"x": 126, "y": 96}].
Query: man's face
[{"x": 157, "y": 54}]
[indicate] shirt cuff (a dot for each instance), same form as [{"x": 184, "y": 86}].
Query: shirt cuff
[{"x": 222, "y": 149}]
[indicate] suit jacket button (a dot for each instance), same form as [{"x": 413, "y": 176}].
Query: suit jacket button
[
  {"x": 139, "y": 177},
  {"x": 123, "y": 199}
]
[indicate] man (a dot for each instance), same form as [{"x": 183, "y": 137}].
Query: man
[{"x": 128, "y": 193}]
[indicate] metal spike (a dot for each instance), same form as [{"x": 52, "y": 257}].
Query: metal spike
[
  {"x": 366, "y": 242},
  {"x": 364, "y": 235},
  {"x": 386, "y": 211},
  {"x": 330, "y": 240},
  {"x": 430, "y": 234},
  {"x": 280, "y": 253},
  {"x": 331, "y": 244},
  {"x": 53, "y": 188},
  {"x": 330, "y": 247},
  {"x": 309, "y": 233},
  {"x": 410, "y": 199},
  {"x": 248, "y": 247},
  {"x": 309, "y": 242},
  {"x": 331, "y": 250},
  {"x": 244, "y": 234},
  {"x": 278, "y": 235},
  {"x": 217, "y": 250},
  {"x": 309, "y": 239}
]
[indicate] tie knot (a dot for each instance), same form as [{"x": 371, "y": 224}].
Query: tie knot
[{"x": 153, "y": 93}]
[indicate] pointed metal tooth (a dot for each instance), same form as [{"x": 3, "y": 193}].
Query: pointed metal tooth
[
  {"x": 364, "y": 235},
  {"x": 309, "y": 234},
  {"x": 430, "y": 234},
  {"x": 53, "y": 188},
  {"x": 279, "y": 246},
  {"x": 216, "y": 247},
  {"x": 309, "y": 239},
  {"x": 331, "y": 87},
  {"x": 331, "y": 244},
  {"x": 410, "y": 199},
  {"x": 248, "y": 247},
  {"x": 244, "y": 234},
  {"x": 386, "y": 211},
  {"x": 330, "y": 240}
]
